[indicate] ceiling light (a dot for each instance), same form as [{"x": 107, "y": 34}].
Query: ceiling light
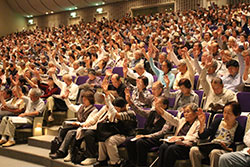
[
  {"x": 51, "y": 12},
  {"x": 47, "y": 13}
]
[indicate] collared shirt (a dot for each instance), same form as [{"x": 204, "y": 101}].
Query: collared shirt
[
  {"x": 231, "y": 82},
  {"x": 73, "y": 88},
  {"x": 134, "y": 75}
]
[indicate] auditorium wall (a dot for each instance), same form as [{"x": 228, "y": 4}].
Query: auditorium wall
[
  {"x": 114, "y": 11},
  {"x": 9, "y": 20}
]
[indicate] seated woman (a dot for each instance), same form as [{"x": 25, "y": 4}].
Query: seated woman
[
  {"x": 35, "y": 106},
  {"x": 184, "y": 95},
  {"x": 14, "y": 106},
  {"x": 154, "y": 129},
  {"x": 223, "y": 131},
  {"x": 141, "y": 96},
  {"x": 178, "y": 146},
  {"x": 67, "y": 133}
]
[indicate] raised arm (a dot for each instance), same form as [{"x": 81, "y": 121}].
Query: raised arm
[{"x": 246, "y": 69}]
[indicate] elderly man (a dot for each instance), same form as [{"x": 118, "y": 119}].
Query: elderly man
[
  {"x": 35, "y": 106},
  {"x": 56, "y": 101},
  {"x": 217, "y": 95},
  {"x": 140, "y": 71}
]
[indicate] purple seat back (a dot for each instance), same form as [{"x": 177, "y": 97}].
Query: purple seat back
[
  {"x": 200, "y": 94},
  {"x": 98, "y": 106},
  {"x": 118, "y": 70},
  {"x": 173, "y": 112},
  {"x": 243, "y": 99},
  {"x": 82, "y": 79},
  {"x": 196, "y": 78},
  {"x": 155, "y": 78},
  {"x": 171, "y": 100}
]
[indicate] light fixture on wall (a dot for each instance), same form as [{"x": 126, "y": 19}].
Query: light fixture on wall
[
  {"x": 31, "y": 21},
  {"x": 29, "y": 16},
  {"x": 99, "y": 10},
  {"x": 73, "y": 15},
  {"x": 47, "y": 13},
  {"x": 52, "y": 12}
]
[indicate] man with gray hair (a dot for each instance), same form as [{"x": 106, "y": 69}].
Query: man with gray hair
[
  {"x": 56, "y": 101},
  {"x": 35, "y": 106}
]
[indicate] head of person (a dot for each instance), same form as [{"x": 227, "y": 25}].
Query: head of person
[
  {"x": 138, "y": 54},
  {"x": 217, "y": 85},
  {"x": 91, "y": 74},
  {"x": 162, "y": 57},
  {"x": 182, "y": 67},
  {"x": 212, "y": 69},
  {"x": 207, "y": 36},
  {"x": 116, "y": 80},
  {"x": 7, "y": 93},
  {"x": 88, "y": 98},
  {"x": 185, "y": 86},
  {"x": 190, "y": 112},
  {"x": 166, "y": 66},
  {"x": 162, "y": 102},
  {"x": 231, "y": 111},
  {"x": 51, "y": 83},
  {"x": 197, "y": 46},
  {"x": 35, "y": 94},
  {"x": 142, "y": 82},
  {"x": 67, "y": 78},
  {"x": 119, "y": 104},
  {"x": 157, "y": 88},
  {"x": 139, "y": 68},
  {"x": 232, "y": 67},
  {"x": 76, "y": 65}
]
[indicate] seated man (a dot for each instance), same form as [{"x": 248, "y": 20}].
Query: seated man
[
  {"x": 35, "y": 106},
  {"x": 140, "y": 71},
  {"x": 67, "y": 133},
  {"x": 233, "y": 80},
  {"x": 117, "y": 85},
  {"x": 154, "y": 129},
  {"x": 217, "y": 95},
  {"x": 56, "y": 102},
  {"x": 239, "y": 158}
]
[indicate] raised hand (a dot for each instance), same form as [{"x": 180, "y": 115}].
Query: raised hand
[
  {"x": 201, "y": 116},
  {"x": 169, "y": 47},
  {"x": 208, "y": 61},
  {"x": 66, "y": 94},
  {"x": 167, "y": 81},
  {"x": 127, "y": 95},
  {"x": 247, "y": 61}
]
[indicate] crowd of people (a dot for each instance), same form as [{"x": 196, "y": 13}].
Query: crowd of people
[{"x": 39, "y": 69}]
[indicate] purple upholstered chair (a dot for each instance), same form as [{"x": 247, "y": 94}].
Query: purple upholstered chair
[
  {"x": 98, "y": 106},
  {"x": 118, "y": 70},
  {"x": 200, "y": 93},
  {"x": 82, "y": 79},
  {"x": 243, "y": 99}
]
